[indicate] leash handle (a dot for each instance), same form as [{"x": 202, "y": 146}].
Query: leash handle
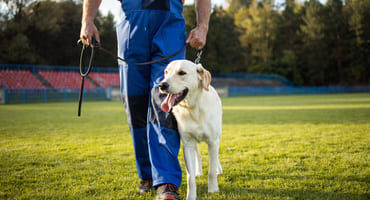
[{"x": 94, "y": 44}]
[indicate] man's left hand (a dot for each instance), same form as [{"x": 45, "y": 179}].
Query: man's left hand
[{"x": 197, "y": 37}]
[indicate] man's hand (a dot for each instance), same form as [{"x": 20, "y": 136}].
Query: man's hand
[
  {"x": 197, "y": 38},
  {"x": 88, "y": 30}
]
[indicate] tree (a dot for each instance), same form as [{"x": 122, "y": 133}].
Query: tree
[
  {"x": 223, "y": 52},
  {"x": 235, "y": 5},
  {"x": 259, "y": 32},
  {"x": 46, "y": 32},
  {"x": 287, "y": 43},
  {"x": 314, "y": 55},
  {"x": 358, "y": 15},
  {"x": 336, "y": 27}
]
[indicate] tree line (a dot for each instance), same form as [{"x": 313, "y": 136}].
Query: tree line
[{"x": 309, "y": 43}]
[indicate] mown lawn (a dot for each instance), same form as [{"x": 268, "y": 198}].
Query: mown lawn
[{"x": 281, "y": 147}]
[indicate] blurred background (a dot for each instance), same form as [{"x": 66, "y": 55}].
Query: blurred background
[{"x": 254, "y": 47}]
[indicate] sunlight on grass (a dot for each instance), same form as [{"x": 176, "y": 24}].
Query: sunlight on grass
[
  {"x": 333, "y": 106},
  {"x": 275, "y": 147}
]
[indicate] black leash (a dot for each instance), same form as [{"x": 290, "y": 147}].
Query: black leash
[
  {"x": 95, "y": 45},
  {"x": 84, "y": 73}
]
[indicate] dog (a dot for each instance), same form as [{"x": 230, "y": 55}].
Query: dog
[{"x": 198, "y": 111}]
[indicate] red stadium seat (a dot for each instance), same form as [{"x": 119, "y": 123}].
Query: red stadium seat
[
  {"x": 60, "y": 80},
  {"x": 19, "y": 79},
  {"x": 105, "y": 80}
]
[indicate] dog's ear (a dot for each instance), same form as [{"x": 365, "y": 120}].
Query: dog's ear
[{"x": 205, "y": 76}]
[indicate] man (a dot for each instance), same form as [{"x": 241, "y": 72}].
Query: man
[{"x": 149, "y": 30}]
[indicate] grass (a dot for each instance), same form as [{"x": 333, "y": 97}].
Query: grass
[{"x": 281, "y": 147}]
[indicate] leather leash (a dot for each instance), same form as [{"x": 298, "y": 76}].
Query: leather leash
[{"x": 95, "y": 45}]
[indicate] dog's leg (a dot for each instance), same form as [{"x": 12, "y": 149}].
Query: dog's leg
[
  {"x": 213, "y": 166},
  {"x": 219, "y": 168},
  {"x": 189, "y": 155},
  {"x": 198, "y": 169}
]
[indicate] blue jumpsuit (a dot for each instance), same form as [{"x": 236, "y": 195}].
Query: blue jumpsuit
[{"x": 151, "y": 29}]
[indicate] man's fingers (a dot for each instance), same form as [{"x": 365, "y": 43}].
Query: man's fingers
[
  {"x": 87, "y": 32},
  {"x": 189, "y": 37},
  {"x": 197, "y": 43},
  {"x": 196, "y": 39},
  {"x": 97, "y": 37},
  {"x": 85, "y": 39}
]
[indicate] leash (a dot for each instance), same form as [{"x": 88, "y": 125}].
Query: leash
[
  {"x": 95, "y": 45},
  {"x": 84, "y": 73}
]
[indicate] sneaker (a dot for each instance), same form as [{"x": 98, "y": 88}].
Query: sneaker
[
  {"x": 145, "y": 186},
  {"x": 167, "y": 192}
]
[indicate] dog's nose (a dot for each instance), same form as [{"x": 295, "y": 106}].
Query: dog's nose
[{"x": 164, "y": 86}]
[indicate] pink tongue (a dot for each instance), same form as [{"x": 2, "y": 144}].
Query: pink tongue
[{"x": 168, "y": 103}]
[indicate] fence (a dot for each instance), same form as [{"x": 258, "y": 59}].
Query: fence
[
  {"x": 52, "y": 95},
  {"x": 290, "y": 90},
  {"x": 10, "y": 96},
  {"x": 250, "y": 76},
  {"x": 36, "y": 68},
  {"x": 234, "y": 75}
]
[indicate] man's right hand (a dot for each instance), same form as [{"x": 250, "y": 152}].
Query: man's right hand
[{"x": 88, "y": 30}]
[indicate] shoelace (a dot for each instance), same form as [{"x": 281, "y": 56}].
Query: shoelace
[
  {"x": 171, "y": 188},
  {"x": 147, "y": 183}
]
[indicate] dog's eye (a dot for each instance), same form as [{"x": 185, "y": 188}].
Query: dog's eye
[{"x": 181, "y": 73}]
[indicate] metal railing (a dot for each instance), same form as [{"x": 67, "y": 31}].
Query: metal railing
[
  {"x": 36, "y": 68},
  {"x": 12, "y": 96},
  {"x": 290, "y": 90}
]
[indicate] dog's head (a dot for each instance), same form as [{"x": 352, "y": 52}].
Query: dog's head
[{"x": 181, "y": 78}]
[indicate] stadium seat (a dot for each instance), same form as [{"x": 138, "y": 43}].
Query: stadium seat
[
  {"x": 19, "y": 79},
  {"x": 65, "y": 79},
  {"x": 105, "y": 80}
]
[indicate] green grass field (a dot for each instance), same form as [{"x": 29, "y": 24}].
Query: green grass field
[{"x": 283, "y": 147}]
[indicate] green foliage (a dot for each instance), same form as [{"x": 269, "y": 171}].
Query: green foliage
[
  {"x": 315, "y": 61},
  {"x": 257, "y": 23},
  {"x": 308, "y": 42},
  {"x": 282, "y": 147},
  {"x": 223, "y": 51},
  {"x": 358, "y": 17},
  {"x": 324, "y": 43},
  {"x": 46, "y": 32}
]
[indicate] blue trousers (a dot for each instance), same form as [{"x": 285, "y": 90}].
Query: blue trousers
[{"x": 150, "y": 29}]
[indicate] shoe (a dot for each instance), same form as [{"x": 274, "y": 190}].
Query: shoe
[
  {"x": 145, "y": 186},
  {"x": 167, "y": 192}
]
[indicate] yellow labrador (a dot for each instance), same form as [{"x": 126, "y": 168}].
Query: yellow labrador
[{"x": 198, "y": 111}]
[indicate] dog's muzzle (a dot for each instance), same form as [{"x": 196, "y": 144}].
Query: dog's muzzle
[
  {"x": 171, "y": 100},
  {"x": 163, "y": 86}
]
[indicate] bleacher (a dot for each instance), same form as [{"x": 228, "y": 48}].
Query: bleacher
[
  {"x": 19, "y": 79},
  {"x": 34, "y": 79},
  {"x": 37, "y": 83},
  {"x": 68, "y": 79},
  {"x": 105, "y": 80}
]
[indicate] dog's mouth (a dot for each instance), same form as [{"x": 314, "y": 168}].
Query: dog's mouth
[{"x": 173, "y": 99}]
